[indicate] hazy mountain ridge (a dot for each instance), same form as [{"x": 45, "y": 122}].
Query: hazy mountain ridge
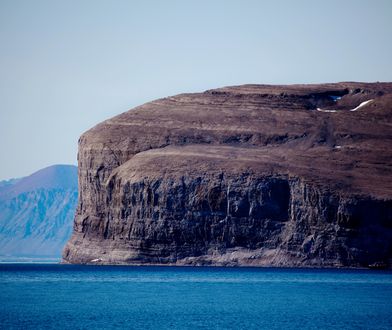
[
  {"x": 4, "y": 184},
  {"x": 36, "y": 212},
  {"x": 52, "y": 177}
]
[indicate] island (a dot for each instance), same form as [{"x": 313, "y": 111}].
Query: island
[{"x": 251, "y": 175}]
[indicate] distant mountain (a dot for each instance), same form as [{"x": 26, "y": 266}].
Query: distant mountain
[
  {"x": 36, "y": 212},
  {"x": 7, "y": 183}
]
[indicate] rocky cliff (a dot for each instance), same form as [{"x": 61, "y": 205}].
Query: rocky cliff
[
  {"x": 296, "y": 175},
  {"x": 36, "y": 213}
]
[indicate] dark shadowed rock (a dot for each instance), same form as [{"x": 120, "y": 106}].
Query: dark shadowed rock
[{"x": 246, "y": 175}]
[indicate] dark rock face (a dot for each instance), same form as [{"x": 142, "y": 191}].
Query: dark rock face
[{"x": 248, "y": 175}]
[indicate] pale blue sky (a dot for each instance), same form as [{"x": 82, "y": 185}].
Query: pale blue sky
[{"x": 67, "y": 65}]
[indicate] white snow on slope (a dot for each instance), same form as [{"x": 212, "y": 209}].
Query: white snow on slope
[
  {"x": 323, "y": 110},
  {"x": 355, "y": 109},
  {"x": 361, "y": 105}
]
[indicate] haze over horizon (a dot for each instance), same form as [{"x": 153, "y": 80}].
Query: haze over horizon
[{"x": 66, "y": 66}]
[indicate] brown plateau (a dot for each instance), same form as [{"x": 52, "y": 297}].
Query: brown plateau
[{"x": 252, "y": 175}]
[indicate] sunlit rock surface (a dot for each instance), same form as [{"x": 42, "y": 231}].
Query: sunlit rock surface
[{"x": 258, "y": 175}]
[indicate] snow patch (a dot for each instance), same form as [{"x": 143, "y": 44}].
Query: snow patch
[
  {"x": 323, "y": 110},
  {"x": 355, "y": 109},
  {"x": 362, "y": 105}
]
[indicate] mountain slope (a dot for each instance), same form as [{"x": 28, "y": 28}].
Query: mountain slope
[{"x": 36, "y": 212}]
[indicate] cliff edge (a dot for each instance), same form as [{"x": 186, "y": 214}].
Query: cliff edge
[{"x": 297, "y": 175}]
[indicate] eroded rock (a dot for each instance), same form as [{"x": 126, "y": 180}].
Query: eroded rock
[{"x": 247, "y": 175}]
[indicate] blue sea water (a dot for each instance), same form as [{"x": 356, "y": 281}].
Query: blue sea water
[{"x": 39, "y": 296}]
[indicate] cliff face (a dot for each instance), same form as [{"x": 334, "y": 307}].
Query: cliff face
[
  {"x": 249, "y": 175},
  {"x": 36, "y": 213}
]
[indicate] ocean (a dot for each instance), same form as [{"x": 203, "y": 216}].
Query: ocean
[{"x": 53, "y": 296}]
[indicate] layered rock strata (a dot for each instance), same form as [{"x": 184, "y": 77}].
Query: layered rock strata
[{"x": 296, "y": 175}]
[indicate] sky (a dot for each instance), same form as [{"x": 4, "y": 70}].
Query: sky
[{"x": 65, "y": 66}]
